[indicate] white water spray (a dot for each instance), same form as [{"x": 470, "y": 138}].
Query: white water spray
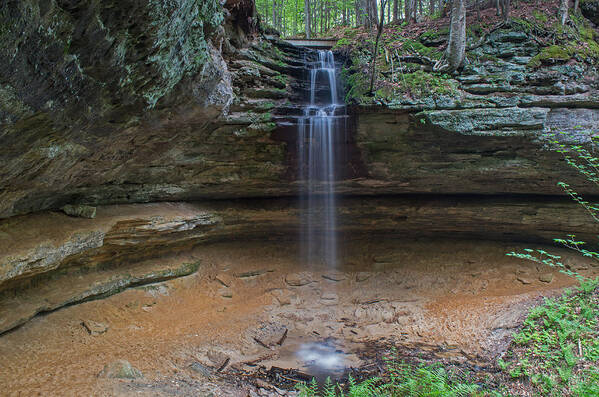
[{"x": 321, "y": 135}]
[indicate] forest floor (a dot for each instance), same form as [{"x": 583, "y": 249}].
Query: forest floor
[
  {"x": 545, "y": 13},
  {"x": 254, "y": 322}
]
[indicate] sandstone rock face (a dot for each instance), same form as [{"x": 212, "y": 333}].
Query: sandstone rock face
[
  {"x": 114, "y": 104},
  {"x": 49, "y": 260},
  {"x": 210, "y": 118},
  {"x": 86, "y": 86}
]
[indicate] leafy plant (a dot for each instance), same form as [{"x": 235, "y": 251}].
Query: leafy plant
[
  {"x": 401, "y": 379},
  {"x": 561, "y": 337}
]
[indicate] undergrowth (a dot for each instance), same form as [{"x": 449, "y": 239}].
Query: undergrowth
[
  {"x": 401, "y": 379},
  {"x": 557, "y": 349}
]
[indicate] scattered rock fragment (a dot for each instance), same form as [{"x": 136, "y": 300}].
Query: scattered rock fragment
[
  {"x": 224, "y": 279},
  {"x": 157, "y": 290},
  {"x": 94, "y": 328},
  {"x": 225, "y": 293},
  {"x": 362, "y": 276},
  {"x": 546, "y": 277},
  {"x": 329, "y": 298},
  {"x": 283, "y": 297},
  {"x": 251, "y": 273},
  {"x": 270, "y": 335},
  {"x": 523, "y": 280},
  {"x": 334, "y": 276},
  {"x": 298, "y": 279},
  {"x": 200, "y": 369},
  {"x": 217, "y": 357},
  {"x": 120, "y": 369},
  {"x": 80, "y": 211}
]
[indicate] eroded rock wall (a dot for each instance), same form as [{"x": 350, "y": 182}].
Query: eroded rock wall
[
  {"x": 50, "y": 260},
  {"x": 146, "y": 101},
  {"x": 149, "y": 101}
]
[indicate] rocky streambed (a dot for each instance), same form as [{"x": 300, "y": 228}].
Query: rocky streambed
[{"x": 250, "y": 306}]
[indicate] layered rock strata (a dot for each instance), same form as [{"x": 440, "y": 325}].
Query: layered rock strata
[{"x": 50, "y": 260}]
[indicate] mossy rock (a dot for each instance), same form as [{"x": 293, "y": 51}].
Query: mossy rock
[{"x": 551, "y": 55}]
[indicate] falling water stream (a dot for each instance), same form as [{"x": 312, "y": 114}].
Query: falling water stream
[
  {"x": 322, "y": 132},
  {"x": 322, "y": 136}
]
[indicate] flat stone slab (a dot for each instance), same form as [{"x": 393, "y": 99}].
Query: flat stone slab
[{"x": 299, "y": 279}]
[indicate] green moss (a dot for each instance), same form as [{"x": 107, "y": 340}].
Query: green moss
[
  {"x": 181, "y": 47},
  {"x": 343, "y": 42},
  {"x": 265, "y": 106},
  {"x": 282, "y": 78},
  {"x": 551, "y": 54},
  {"x": 419, "y": 48},
  {"x": 357, "y": 84},
  {"x": 434, "y": 34},
  {"x": 586, "y": 50},
  {"x": 423, "y": 84},
  {"x": 524, "y": 24},
  {"x": 540, "y": 16}
]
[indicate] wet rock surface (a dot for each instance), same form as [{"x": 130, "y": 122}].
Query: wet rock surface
[
  {"x": 130, "y": 245},
  {"x": 448, "y": 299},
  {"x": 120, "y": 369}
]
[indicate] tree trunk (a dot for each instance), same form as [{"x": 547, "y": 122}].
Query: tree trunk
[
  {"x": 395, "y": 10},
  {"x": 498, "y": 7},
  {"x": 295, "y": 17},
  {"x": 563, "y": 11},
  {"x": 376, "y": 44},
  {"x": 456, "y": 45},
  {"x": 505, "y": 9},
  {"x": 307, "y": 17},
  {"x": 373, "y": 19},
  {"x": 576, "y": 4},
  {"x": 431, "y": 7},
  {"x": 408, "y": 10}
]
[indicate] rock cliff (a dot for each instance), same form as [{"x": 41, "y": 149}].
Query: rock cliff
[{"x": 146, "y": 101}]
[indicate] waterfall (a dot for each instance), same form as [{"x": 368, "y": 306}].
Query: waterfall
[{"x": 321, "y": 136}]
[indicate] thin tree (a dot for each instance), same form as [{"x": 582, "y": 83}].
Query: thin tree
[
  {"x": 455, "y": 53},
  {"x": 376, "y": 44},
  {"x": 371, "y": 14},
  {"x": 505, "y": 10},
  {"x": 307, "y": 17},
  {"x": 408, "y": 10},
  {"x": 563, "y": 11}
]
